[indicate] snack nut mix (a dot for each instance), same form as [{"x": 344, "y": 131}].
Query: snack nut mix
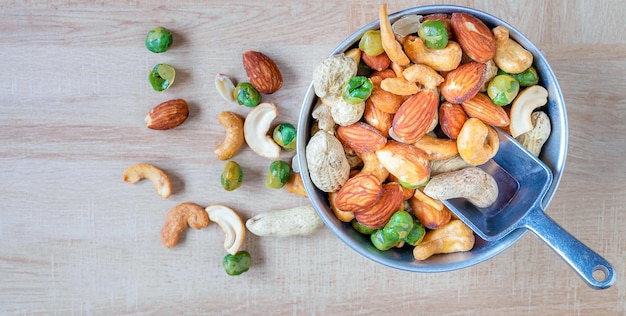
[
  {"x": 410, "y": 130},
  {"x": 264, "y": 77}
]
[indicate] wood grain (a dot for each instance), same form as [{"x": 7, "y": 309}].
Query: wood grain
[{"x": 78, "y": 240}]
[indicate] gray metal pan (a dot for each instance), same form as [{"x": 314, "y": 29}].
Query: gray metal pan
[{"x": 523, "y": 180}]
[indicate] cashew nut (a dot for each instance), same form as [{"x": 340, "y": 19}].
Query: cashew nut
[
  {"x": 437, "y": 148},
  {"x": 297, "y": 221},
  {"x": 233, "y": 124},
  {"x": 477, "y": 142},
  {"x": 177, "y": 220},
  {"x": 510, "y": 56},
  {"x": 423, "y": 74},
  {"x": 534, "y": 140},
  {"x": 255, "y": 129},
  {"x": 526, "y": 102},
  {"x": 159, "y": 178},
  {"x": 455, "y": 236},
  {"x": 372, "y": 165},
  {"x": 399, "y": 86},
  {"x": 445, "y": 59},
  {"x": 231, "y": 223},
  {"x": 391, "y": 46},
  {"x": 472, "y": 183}
]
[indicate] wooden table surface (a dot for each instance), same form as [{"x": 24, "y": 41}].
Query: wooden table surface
[{"x": 77, "y": 240}]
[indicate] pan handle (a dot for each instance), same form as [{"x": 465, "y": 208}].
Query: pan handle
[{"x": 590, "y": 266}]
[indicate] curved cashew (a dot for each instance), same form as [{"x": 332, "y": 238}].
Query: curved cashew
[
  {"x": 423, "y": 74},
  {"x": 445, "y": 59},
  {"x": 372, "y": 165},
  {"x": 534, "y": 140},
  {"x": 297, "y": 221},
  {"x": 231, "y": 223},
  {"x": 177, "y": 220},
  {"x": 477, "y": 142},
  {"x": 510, "y": 56},
  {"x": 233, "y": 124},
  {"x": 473, "y": 184},
  {"x": 437, "y": 148},
  {"x": 388, "y": 39},
  {"x": 526, "y": 102},
  {"x": 452, "y": 237},
  {"x": 159, "y": 178},
  {"x": 255, "y": 129}
]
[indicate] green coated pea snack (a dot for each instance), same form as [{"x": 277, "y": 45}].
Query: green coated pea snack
[
  {"x": 159, "y": 40},
  {"x": 246, "y": 94},
  {"x": 238, "y": 263},
  {"x": 162, "y": 77},
  {"x": 232, "y": 176},
  {"x": 278, "y": 174},
  {"x": 503, "y": 89},
  {"x": 357, "y": 90},
  {"x": 434, "y": 34},
  {"x": 285, "y": 136},
  {"x": 371, "y": 43}
]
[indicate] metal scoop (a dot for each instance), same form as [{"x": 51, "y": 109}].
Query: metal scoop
[{"x": 523, "y": 180}]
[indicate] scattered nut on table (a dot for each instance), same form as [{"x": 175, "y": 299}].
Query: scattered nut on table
[
  {"x": 231, "y": 223},
  {"x": 256, "y": 127},
  {"x": 296, "y": 221},
  {"x": 158, "y": 177},
  {"x": 179, "y": 218},
  {"x": 234, "y": 139}
]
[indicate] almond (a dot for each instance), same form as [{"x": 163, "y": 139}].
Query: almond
[
  {"x": 451, "y": 119},
  {"x": 262, "y": 72},
  {"x": 407, "y": 163},
  {"x": 378, "y": 63},
  {"x": 482, "y": 108},
  {"x": 475, "y": 37},
  {"x": 463, "y": 83},
  {"x": 377, "y": 215},
  {"x": 167, "y": 115},
  {"x": 377, "y": 119},
  {"x": 430, "y": 217},
  {"x": 359, "y": 192},
  {"x": 361, "y": 137},
  {"x": 415, "y": 115}
]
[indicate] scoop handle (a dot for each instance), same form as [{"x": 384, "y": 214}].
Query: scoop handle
[{"x": 581, "y": 258}]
